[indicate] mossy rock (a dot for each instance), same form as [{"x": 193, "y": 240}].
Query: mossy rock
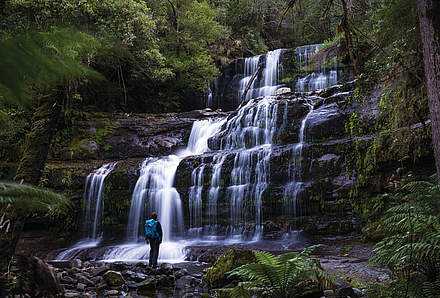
[{"x": 216, "y": 276}]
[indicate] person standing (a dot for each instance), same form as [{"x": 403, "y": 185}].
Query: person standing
[{"x": 153, "y": 235}]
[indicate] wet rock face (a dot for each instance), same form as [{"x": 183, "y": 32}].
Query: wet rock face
[
  {"x": 122, "y": 136},
  {"x": 226, "y": 87},
  {"x": 128, "y": 138},
  {"x": 322, "y": 204},
  {"x": 321, "y": 197}
]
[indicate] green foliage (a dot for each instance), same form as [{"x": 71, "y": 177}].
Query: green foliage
[
  {"x": 216, "y": 275},
  {"x": 184, "y": 40},
  {"x": 14, "y": 123},
  {"x": 28, "y": 200},
  {"x": 410, "y": 227},
  {"x": 42, "y": 59},
  {"x": 285, "y": 275}
]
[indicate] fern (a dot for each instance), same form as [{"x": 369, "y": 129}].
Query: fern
[
  {"x": 43, "y": 59},
  {"x": 281, "y": 276},
  {"x": 27, "y": 200},
  {"x": 411, "y": 243}
]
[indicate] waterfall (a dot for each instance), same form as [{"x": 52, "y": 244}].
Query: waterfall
[
  {"x": 250, "y": 67},
  {"x": 248, "y": 136},
  {"x": 155, "y": 186},
  {"x": 271, "y": 73},
  {"x": 213, "y": 194},
  {"x": 195, "y": 200},
  {"x": 93, "y": 200},
  {"x": 320, "y": 77},
  {"x": 293, "y": 188},
  {"x": 209, "y": 98},
  {"x": 268, "y": 82},
  {"x": 93, "y": 206}
]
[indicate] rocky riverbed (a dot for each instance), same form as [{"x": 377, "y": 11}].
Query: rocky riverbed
[
  {"x": 99, "y": 279},
  {"x": 346, "y": 258}
]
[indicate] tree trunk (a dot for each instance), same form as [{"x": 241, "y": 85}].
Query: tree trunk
[
  {"x": 429, "y": 17},
  {"x": 37, "y": 143},
  {"x": 345, "y": 24}
]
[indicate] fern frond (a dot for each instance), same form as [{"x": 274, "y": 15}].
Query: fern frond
[
  {"x": 28, "y": 199},
  {"x": 417, "y": 186},
  {"x": 240, "y": 291}
]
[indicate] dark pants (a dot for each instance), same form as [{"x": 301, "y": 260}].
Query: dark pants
[{"x": 154, "y": 252}]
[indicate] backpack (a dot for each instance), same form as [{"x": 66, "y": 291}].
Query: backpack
[{"x": 151, "y": 229}]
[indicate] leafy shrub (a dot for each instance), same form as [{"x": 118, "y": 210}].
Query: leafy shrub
[
  {"x": 411, "y": 243},
  {"x": 286, "y": 275}
]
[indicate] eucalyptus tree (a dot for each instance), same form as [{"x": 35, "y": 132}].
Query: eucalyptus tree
[{"x": 429, "y": 16}]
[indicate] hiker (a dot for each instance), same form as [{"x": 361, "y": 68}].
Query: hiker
[{"x": 153, "y": 235}]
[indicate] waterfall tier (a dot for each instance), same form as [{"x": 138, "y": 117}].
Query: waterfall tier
[
  {"x": 246, "y": 174},
  {"x": 284, "y": 69}
]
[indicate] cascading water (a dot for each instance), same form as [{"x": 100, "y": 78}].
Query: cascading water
[
  {"x": 265, "y": 84},
  {"x": 155, "y": 189},
  {"x": 239, "y": 171},
  {"x": 271, "y": 73},
  {"x": 250, "y": 67},
  {"x": 195, "y": 201},
  {"x": 251, "y": 131},
  {"x": 214, "y": 192},
  {"x": 293, "y": 188},
  {"x": 249, "y": 137},
  {"x": 321, "y": 77},
  {"x": 93, "y": 207}
]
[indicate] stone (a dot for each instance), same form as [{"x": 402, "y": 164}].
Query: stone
[
  {"x": 81, "y": 287},
  {"x": 111, "y": 292},
  {"x": 99, "y": 270},
  {"x": 37, "y": 275},
  {"x": 113, "y": 278},
  {"x": 358, "y": 292},
  {"x": 283, "y": 90},
  {"x": 71, "y": 294},
  {"x": 119, "y": 266},
  {"x": 77, "y": 263},
  {"x": 68, "y": 280},
  {"x": 181, "y": 273},
  {"x": 96, "y": 279},
  {"x": 60, "y": 264},
  {"x": 85, "y": 280},
  {"x": 165, "y": 268},
  {"x": 147, "y": 287},
  {"x": 138, "y": 277},
  {"x": 187, "y": 282},
  {"x": 329, "y": 293}
]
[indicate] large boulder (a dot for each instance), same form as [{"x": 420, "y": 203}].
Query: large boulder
[
  {"x": 34, "y": 277},
  {"x": 114, "y": 278}
]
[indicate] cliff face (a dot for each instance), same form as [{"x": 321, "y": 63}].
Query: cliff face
[
  {"x": 315, "y": 197},
  {"x": 126, "y": 138},
  {"x": 319, "y": 202}
]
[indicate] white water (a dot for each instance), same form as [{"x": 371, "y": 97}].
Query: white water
[
  {"x": 195, "y": 201},
  {"x": 248, "y": 135},
  {"x": 265, "y": 84},
  {"x": 246, "y": 142},
  {"x": 155, "y": 190},
  {"x": 318, "y": 79},
  {"x": 213, "y": 194},
  {"x": 93, "y": 207},
  {"x": 250, "y": 67},
  {"x": 294, "y": 187}
]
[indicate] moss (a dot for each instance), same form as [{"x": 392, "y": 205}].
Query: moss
[{"x": 231, "y": 259}]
